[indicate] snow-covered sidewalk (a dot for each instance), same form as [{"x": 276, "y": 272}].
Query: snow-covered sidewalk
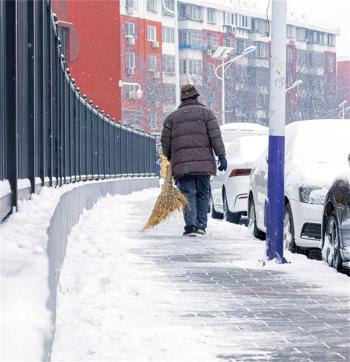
[{"x": 158, "y": 296}]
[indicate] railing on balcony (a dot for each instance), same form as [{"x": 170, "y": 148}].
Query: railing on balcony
[{"x": 50, "y": 134}]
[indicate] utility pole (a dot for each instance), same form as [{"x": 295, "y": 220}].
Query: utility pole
[
  {"x": 275, "y": 182},
  {"x": 177, "y": 59},
  {"x": 223, "y": 121},
  {"x": 176, "y": 41}
]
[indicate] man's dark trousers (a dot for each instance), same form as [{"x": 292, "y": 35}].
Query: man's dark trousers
[{"x": 196, "y": 188}]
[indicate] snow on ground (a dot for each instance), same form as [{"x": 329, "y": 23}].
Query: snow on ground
[
  {"x": 24, "y": 275},
  {"x": 116, "y": 304}
]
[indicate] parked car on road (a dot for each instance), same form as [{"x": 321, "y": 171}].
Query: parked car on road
[
  {"x": 229, "y": 189},
  {"x": 231, "y": 131},
  {"x": 316, "y": 151},
  {"x": 335, "y": 243}
]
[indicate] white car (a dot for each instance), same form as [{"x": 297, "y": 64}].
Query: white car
[
  {"x": 229, "y": 189},
  {"x": 316, "y": 151},
  {"x": 231, "y": 131}
]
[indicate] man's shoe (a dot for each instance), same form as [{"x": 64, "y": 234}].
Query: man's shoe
[
  {"x": 201, "y": 231},
  {"x": 190, "y": 231}
]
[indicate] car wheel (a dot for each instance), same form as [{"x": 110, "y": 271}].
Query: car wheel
[
  {"x": 252, "y": 221},
  {"x": 331, "y": 245},
  {"x": 229, "y": 216},
  {"x": 215, "y": 214},
  {"x": 288, "y": 230}
]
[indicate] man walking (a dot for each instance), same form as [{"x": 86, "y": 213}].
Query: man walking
[{"x": 190, "y": 134}]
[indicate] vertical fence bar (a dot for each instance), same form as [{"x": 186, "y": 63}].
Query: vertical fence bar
[
  {"x": 11, "y": 115},
  {"x": 67, "y": 128},
  {"x": 22, "y": 95},
  {"x": 30, "y": 77},
  {"x": 118, "y": 155}
]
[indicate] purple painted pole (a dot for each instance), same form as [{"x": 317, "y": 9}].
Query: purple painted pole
[{"x": 275, "y": 181}]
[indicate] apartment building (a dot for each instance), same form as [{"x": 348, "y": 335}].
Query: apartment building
[
  {"x": 134, "y": 41},
  {"x": 343, "y": 81}
]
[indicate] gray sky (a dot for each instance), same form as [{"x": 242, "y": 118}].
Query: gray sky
[{"x": 328, "y": 12}]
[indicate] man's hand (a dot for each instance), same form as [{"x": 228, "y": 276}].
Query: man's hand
[{"x": 222, "y": 163}]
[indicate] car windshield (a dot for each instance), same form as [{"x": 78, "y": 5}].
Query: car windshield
[{"x": 322, "y": 145}]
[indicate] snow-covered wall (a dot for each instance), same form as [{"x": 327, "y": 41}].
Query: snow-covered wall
[
  {"x": 33, "y": 247},
  {"x": 66, "y": 215}
]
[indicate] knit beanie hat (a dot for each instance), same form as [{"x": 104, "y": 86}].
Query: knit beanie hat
[{"x": 188, "y": 91}]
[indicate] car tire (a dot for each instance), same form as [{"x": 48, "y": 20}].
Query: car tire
[
  {"x": 215, "y": 214},
  {"x": 288, "y": 230},
  {"x": 229, "y": 216},
  {"x": 252, "y": 221},
  {"x": 331, "y": 244}
]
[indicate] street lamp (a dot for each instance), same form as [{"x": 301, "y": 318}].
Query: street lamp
[
  {"x": 176, "y": 41},
  {"x": 294, "y": 85},
  {"x": 341, "y": 113},
  {"x": 138, "y": 93},
  {"x": 344, "y": 111},
  {"x": 223, "y": 53}
]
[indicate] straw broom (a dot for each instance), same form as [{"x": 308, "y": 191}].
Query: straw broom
[{"x": 169, "y": 201}]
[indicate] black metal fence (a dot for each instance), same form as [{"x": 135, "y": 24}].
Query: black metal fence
[{"x": 49, "y": 133}]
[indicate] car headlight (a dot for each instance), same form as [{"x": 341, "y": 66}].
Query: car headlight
[{"x": 312, "y": 195}]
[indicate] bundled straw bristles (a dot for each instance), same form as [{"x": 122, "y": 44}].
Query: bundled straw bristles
[{"x": 169, "y": 200}]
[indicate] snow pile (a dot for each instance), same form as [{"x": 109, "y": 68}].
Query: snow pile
[
  {"x": 25, "y": 320},
  {"x": 4, "y": 188}
]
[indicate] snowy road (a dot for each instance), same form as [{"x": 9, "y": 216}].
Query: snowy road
[{"x": 126, "y": 296}]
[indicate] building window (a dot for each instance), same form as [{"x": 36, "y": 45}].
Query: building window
[
  {"x": 228, "y": 41},
  {"x": 289, "y": 55},
  {"x": 317, "y": 59},
  {"x": 152, "y": 121},
  {"x": 211, "y": 70},
  {"x": 190, "y": 66},
  {"x": 331, "y": 40},
  {"x": 213, "y": 42},
  {"x": 194, "y": 67},
  {"x": 168, "y": 35},
  {"x": 152, "y": 63},
  {"x": 259, "y": 26},
  {"x": 190, "y": 39},
  {"x": 169, "y": 92},
  {"x": 303, "y": 58},
  {"x": 242, "y": 21},
  {"x": 191, "y": 12},
  {"x": 168, "y": 7},
  {"x": 130, "y": 60},
  {"x": 290, "y": 32},
  {"x": 130, "y": 4},
  {"x": 168, "y": 64},
  {"x": 130, "y": 91},
  {"x": 301, "y": 34},
  {"x": 130, "y": 29},
  {"x": 152, "y": 5},
  {"x": 229, "y": 18},
  {"x": 151, "y": 33},
  {"x": 183, "y": 66},
  {"x": 211, "y": 16},
  {"x": 330, "y": 64},
  {"x": 261, "y": 50},
  {"x": 240, "y": 45}
]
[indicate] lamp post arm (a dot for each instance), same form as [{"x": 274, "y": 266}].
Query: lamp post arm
[{"x": 227, "y": 64}]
